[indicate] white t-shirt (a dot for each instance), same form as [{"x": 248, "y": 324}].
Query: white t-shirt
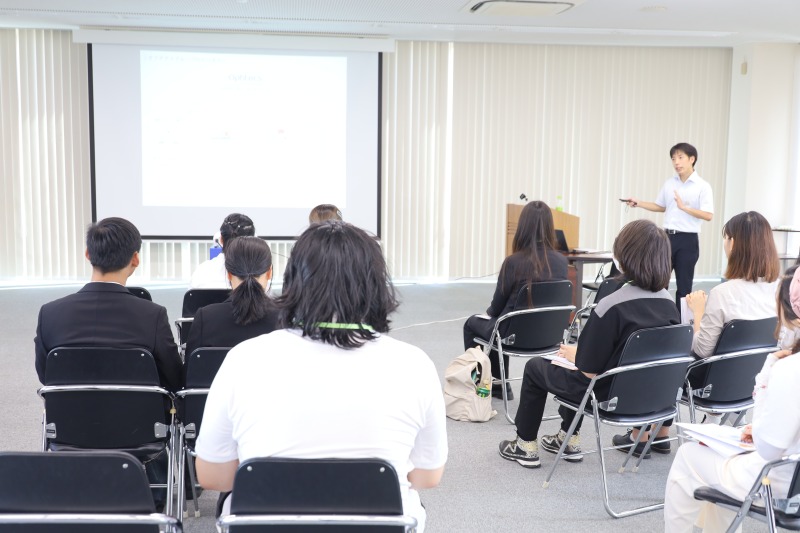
[
  {"x": 776, "y": 418},
  {"x": 735, "y": 299},
  {"x": 211, "y": 274},
  {"x": 382, "y": 400},
  {"x": 695, "y": 193}
]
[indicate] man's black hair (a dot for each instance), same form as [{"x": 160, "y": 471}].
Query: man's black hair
[{"x": 111, "y": 244}]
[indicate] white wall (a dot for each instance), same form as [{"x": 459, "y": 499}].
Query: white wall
[{"x": 763, "y": 144}]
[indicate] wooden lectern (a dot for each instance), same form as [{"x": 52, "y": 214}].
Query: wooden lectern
[{"x": 567, "y": 223}]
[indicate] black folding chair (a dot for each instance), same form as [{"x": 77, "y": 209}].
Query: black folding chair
[
  {"x": 77, "y": 492},
  {"x": 193, "y": 300},
  {"x": 604, "y": 288},
  {"x": 331, "y": 495},
  {"x": 201, "y": 368},
  {"x": 642, "y": 390},
  {"x": 776, "y": 512},
  {"x": 140, "y": 292},
  {"x": 536, "y": 327},
  {"x": 99, "y": 398},
  {"x": 723, "y": 383}
]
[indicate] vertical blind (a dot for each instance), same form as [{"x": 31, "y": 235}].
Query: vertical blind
[
  {"x": 465, "y": 128},
  {"x": 473, "y": 126}
]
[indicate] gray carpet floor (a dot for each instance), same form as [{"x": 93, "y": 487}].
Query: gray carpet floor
[{"x": 479, "y": 492}]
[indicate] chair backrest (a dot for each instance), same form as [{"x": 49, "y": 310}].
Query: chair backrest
[
  {"x": 538, "y": 330},
  {"x": 608, "y": 286},
  {"x": 86, "y": 405},
  {"x": 544, "y": 294},
  {"x": 738, "y": 335},
  {"x": 141, "y": 292},
  {"x": 535, "y": 329},
  {"x": 38, "y": 485},
  {"x": 201, "y": 368},
  {"x": 651, "y": 389},
  {"x": 194, "y": 299},
  {"x": 70, "y": 365},
  {"x": 316, "y": 486},
  {"x": 732, "y": 379}
]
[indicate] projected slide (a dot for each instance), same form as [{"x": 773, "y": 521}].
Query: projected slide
[
  {"x": 184, "y": 136},
  {"x": 243, "y": 130}
]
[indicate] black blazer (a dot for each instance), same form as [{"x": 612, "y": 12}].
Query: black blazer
[
  {"x": 213, "y": 326},
  {"x": 106, "y": 314}
]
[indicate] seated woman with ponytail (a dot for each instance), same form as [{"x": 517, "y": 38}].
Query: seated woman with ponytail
[{"x": 248, "y": 312}]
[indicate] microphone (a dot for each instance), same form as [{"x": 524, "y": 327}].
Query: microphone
[{"x": 523, "y": 197}]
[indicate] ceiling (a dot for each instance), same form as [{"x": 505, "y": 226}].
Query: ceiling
[{"x": 608, "y": 22}]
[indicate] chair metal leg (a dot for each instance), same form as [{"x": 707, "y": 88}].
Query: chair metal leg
[
  {"x": 181, "y": 452},
  {"x": 770, "y": 511},
  {"x": 503, "y": 382},
  {"x": 606, "y": 498},
  {"x": 563, "y": 446},
  {"x": 193, "y": 481},
  {"x": 739, "y": 418},
  {"x": 692, "y": 414},
  {"x": 168, "y": 509}
]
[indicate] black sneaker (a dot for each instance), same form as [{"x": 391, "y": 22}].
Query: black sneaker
[
  {"x": 497, "y": 391},
  {"x": 513, "y": 451},
  {"x": 661, "y": 445},
  {"x": 625, "y": 441},
  {"x": 572, "y": 452}
]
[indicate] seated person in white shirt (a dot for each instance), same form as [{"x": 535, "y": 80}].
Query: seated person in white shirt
[
  {"x": 775, "y": 431},
  {"x": 364, "y": 394},
  {"x": 752, "y": 281},
  {"x": 211, "y": 274}
]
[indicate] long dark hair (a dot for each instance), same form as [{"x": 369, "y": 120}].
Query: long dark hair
[
  {"x": 337, "y": 275},
  {"x": 535, "y": 235},
  {"x": 785, "y": 311},
  {"x": 248, "y": 258}
]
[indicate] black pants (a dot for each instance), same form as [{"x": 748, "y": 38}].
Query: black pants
[
  {"x": 685, "y": 253},
  {"x": 482, "y": 328},
  {"x": 541, "y": 377}
]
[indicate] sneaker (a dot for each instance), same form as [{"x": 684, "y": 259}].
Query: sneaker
[
  {"x": 572, "y": 452},
  {"x": 625, "y": 441},
  {"x": 523, "y": 452}
]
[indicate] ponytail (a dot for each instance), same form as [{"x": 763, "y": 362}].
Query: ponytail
[{"x": 250, "y": 302}]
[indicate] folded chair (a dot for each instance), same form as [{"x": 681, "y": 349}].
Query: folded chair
[
  {"x": 723, "y": 383},
  {"x": 77, "y": 492},
  {"x": 642, "y": 390},
  {"x": 108, "y": 399},
  {"x": 331, "y": 495},
  {"x": 201, "y": 368},
  {"x": 536, "y": 327},
  {"x": 193, "y": 300},
  {"x": 776, "y": 512}
]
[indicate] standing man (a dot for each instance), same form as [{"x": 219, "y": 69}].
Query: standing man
[{"x": 686, "y": 200}]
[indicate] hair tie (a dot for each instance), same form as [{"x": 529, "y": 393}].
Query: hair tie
[{"x": 794, "y": 292}]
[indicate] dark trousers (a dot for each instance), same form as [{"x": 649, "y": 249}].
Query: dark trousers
[
  {"x": 541, "y": 377},
  {"x": 685, "y": 253},
  {"x": 482, "y": 328}
]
